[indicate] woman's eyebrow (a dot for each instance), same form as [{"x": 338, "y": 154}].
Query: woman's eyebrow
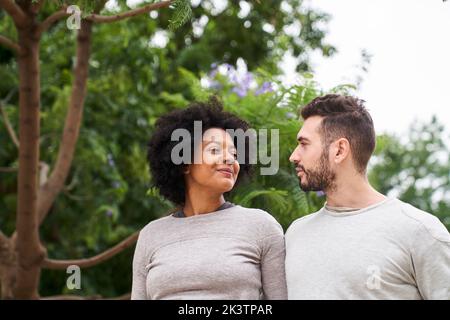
[{"x": 206, "y": 142}]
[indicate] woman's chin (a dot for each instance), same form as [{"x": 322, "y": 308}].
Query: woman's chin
[{"x": 225, "y": 186}]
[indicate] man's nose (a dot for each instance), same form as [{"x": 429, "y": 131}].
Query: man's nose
[{"x": 293, "y": 157}]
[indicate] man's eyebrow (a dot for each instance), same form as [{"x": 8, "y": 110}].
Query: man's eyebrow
[{"x": 302, "y": 138}]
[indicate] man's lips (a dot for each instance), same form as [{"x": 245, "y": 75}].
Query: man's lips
[{"x": 299, "y": 171}]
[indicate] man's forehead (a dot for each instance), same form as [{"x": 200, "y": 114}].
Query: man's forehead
[{"x": 310, "y": 128}]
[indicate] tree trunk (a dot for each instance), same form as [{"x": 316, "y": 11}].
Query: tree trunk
[
  {"x": 22, "y": 255},
  {"x": 29, "y": 251},
  {"x": 8, "y": 263}
]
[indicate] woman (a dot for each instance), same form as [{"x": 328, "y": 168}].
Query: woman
[{"x": 209, "y": 248}]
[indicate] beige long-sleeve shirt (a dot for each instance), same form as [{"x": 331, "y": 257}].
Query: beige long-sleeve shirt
[
  {"x": 389, "y": 250},
  {"x": 234, "y": 253}
]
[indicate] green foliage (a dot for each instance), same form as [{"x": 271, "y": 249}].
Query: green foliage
[
  {"x": 416, "y": 169},
  {"x": 109, "y": 193},
  {"x": 183, "y": 13},
  {"x": 273, "y": 109}
]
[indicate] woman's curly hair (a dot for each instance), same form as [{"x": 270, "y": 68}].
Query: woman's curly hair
[{"x": 167, "y": 176}]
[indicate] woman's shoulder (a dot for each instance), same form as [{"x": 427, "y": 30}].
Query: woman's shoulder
[
  {"x": 262, "y": 220},
  {"x": 155, "y": 227}
]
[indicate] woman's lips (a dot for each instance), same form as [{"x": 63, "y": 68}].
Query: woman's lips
[{"x": 226, "y": 172}]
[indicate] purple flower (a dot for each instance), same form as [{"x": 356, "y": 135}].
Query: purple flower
[
  {"x": 291, "y": 115},
  {"x": 241, "y": 92},
  {"x": 320, "y": 193},
  {"x": 116, "y": 184},
  {"x": 212, "y": 74},
  {"x": 109, "y": 213},
  {"x": 110, "y": 160},
  {"x": 215, "y": 85},
  {"x": 265, "y": 87},
  {"x": 233, "y": 78},
  {"x": 229, "y": 66},
  {"x": 248, "y": 79}
]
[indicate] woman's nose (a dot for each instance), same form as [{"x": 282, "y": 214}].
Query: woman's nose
[{"x": 229, "y": 158}]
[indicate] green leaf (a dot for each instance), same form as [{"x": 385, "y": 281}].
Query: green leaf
[{"x": 182, "y": 14}]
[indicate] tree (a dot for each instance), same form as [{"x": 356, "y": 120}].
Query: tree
[
  {"x": 34, "y": 24},
  {"x": 416, "y": 168},
  {"x": 23, "y": 254}
]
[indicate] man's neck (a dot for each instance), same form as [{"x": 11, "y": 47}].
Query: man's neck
[{"x": 354, "y": 193}]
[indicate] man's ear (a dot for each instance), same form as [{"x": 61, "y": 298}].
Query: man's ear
[{"x": 341, "y": 150}]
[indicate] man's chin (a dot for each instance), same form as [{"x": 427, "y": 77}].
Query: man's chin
[
  {"x": 305, "y": 188},
  {"x": 308, "y": 188}
]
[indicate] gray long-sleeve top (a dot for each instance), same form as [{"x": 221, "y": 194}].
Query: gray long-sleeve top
[{"x": 235, "y": 253}]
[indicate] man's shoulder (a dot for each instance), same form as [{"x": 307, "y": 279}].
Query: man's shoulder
[
  {"x": 302, "y": 221},
  {"x": 423, "y": 222}
]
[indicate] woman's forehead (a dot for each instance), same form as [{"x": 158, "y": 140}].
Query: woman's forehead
[{"x": 216, "y": 135}]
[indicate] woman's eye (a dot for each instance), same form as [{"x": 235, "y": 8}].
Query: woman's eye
[{"x": 214, "y": 151}]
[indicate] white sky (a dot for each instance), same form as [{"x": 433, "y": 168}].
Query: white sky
[{"x": 409, "y": 74}]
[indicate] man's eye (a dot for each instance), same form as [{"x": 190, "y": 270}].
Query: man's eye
[{"x": 214, "y": 151}]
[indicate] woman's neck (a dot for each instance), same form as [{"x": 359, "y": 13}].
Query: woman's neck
[{"x": 200, "y": 201}]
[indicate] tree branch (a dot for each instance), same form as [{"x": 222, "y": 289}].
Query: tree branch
[
  {"x": 61, "y": 14},
  {"x": 126, "y": 296},
  {"x": 50, "y": 20},
  {"x": 70, "y": 297},
  {"x": 131, "y": 13},
  {"x": 7, "y": 267},
  {"x": 54, "y": 185},
  {"x": 9, "y": 44},
  {"x": 8, "y": 125},
  {"x": 4, "y": 249},
  {"x": 14, "y": 11},
  {"x": 43, "y": 173},
  {"x": 36, "y": 7},
  {"x": 89, "y": 262}
]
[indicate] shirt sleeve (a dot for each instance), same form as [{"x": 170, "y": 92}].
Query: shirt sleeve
[
  {"x": 272, "y": 266},
  {"x": 139, "y": 290},
  {"x": 431, "y": 261}
]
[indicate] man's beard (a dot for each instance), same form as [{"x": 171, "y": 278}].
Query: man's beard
[{"x": 320, "y": 178}]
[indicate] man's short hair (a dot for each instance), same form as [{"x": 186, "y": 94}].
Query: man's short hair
[{"x": 345, "y": 117}]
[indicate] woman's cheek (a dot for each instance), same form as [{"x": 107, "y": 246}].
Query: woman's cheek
[
  {"x": 207, "y": 159},
  {"x": 236, "y": 170}
]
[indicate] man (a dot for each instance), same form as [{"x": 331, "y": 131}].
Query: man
[{"x": 361, "y": 244}]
